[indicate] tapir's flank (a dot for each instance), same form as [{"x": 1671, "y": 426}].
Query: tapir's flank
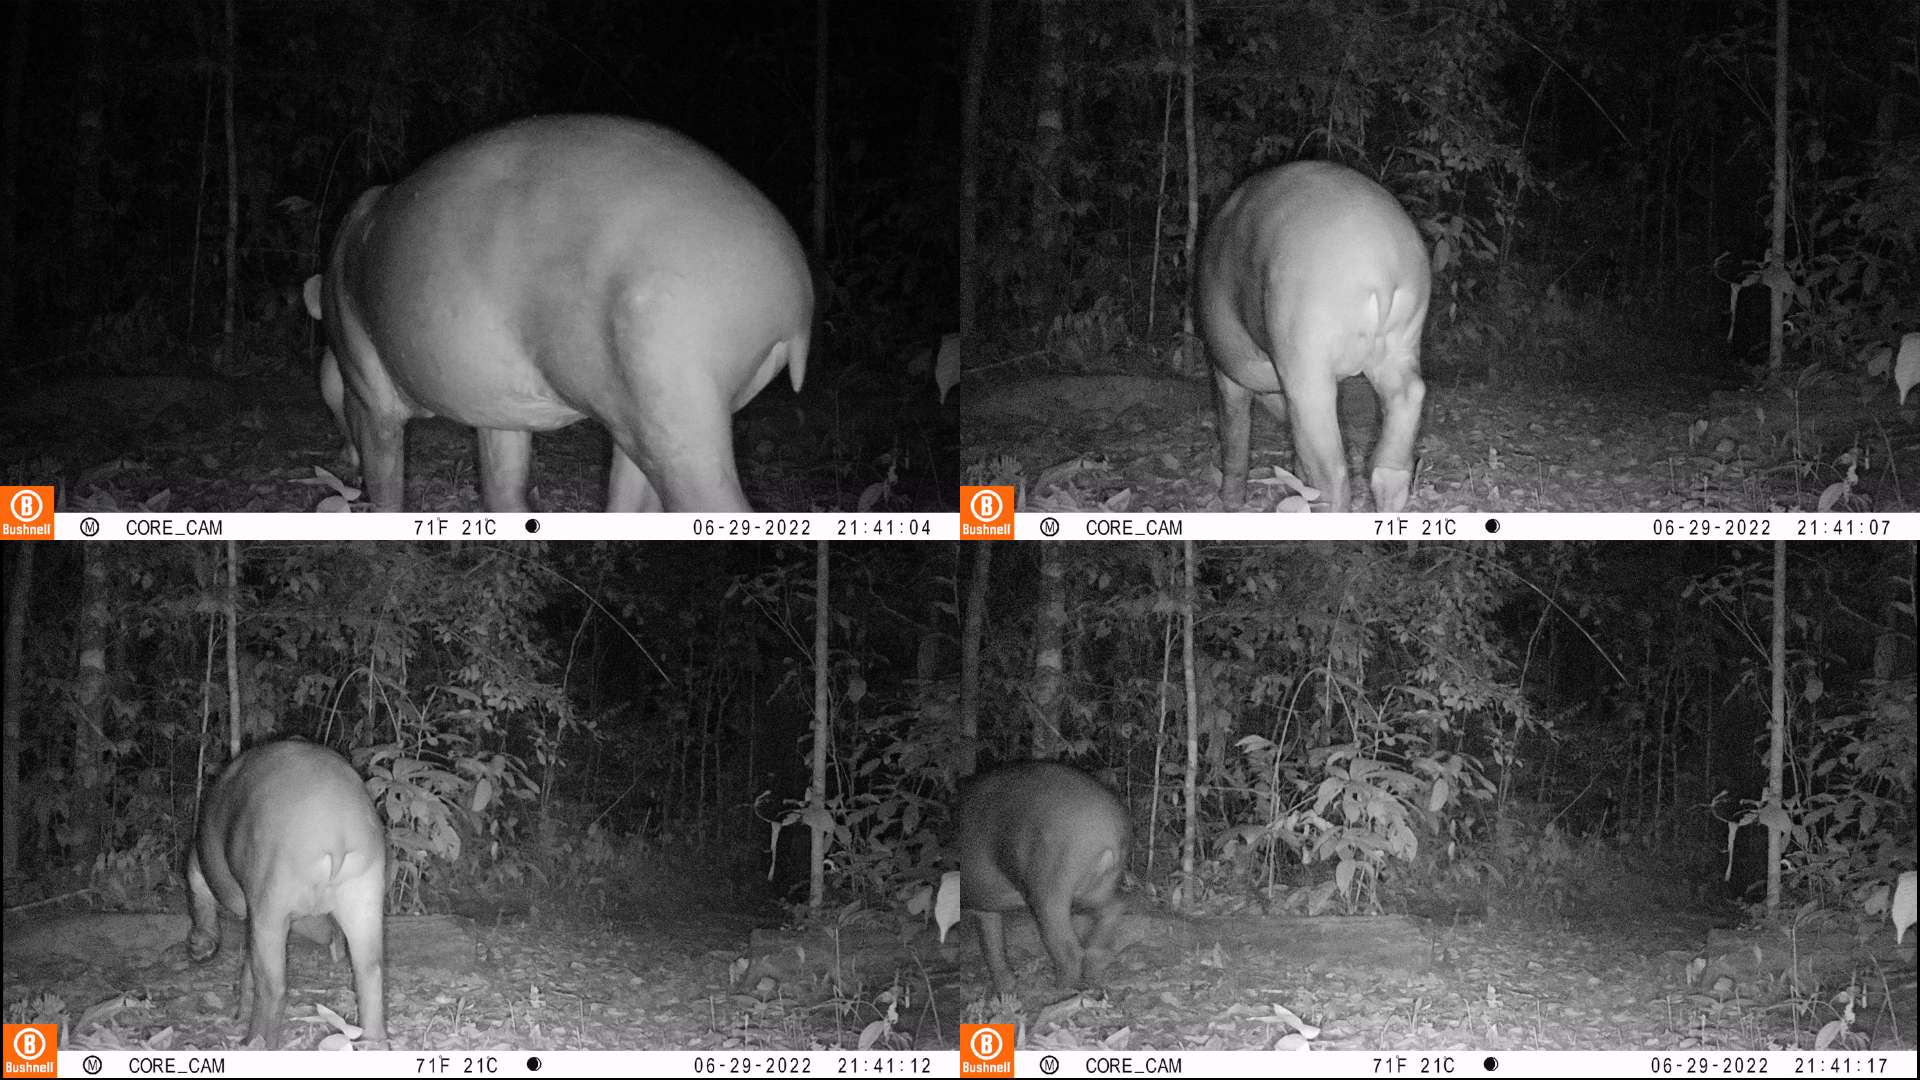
[{"x": 558, "y": 268}]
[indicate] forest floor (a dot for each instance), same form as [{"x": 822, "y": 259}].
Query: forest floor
[
  {"x": 1664, "y": 443},
  {"x": 191, "y": 444},
  {"x": 672, "y": 957}
]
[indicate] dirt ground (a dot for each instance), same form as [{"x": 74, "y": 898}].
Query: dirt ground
[
  {"x": 680, "y": 963},
  {"x": 177, "y": 443},
  {"x": 1675, "y": 444}
]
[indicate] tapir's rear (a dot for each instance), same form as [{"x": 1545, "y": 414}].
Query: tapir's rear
[
  {"x": 286, "y": 833},
  {"x": 1050, "y": 838}
]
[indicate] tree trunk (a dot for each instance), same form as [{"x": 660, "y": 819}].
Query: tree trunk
[
  {"x": 231, "y": 304},
  {"x": 10, "y": 204},
  {"x": 971, "y": 633},
  {"x": 1193, "y": 177},
  {"x": 1049, "y": 136},
  {"x": 1772, "y": 814},
  {"x": 820, "y": 129},
  {"x": 1049, "y": 641},
  {"x": 1184, "y": 898},
  {"x": 13, "y": 703},
  {"x": 822, "y": 731},
  {"x": 1777, "y": 253},
  {"x": 970, "y": 182},
  {"x": 90, "y": 773},
  {"x": 232, "y": 618},
  {"x": 89, "y": 210}
]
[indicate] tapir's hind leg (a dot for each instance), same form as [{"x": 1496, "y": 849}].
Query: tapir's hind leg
[
  {"x": 628, "y": 491},
  {"x": 360, "y": 912},
  {"x": 506, "y": 459},
  {"x": 684, "y": 468},
  {"x": 673, "y": 423}
]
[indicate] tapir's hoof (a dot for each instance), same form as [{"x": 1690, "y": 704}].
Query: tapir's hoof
[
  {"x": 1390, "y": 489},
  {"x": 201, "y": 947}
]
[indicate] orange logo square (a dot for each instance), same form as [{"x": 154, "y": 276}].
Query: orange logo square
[
  {"x": 986, "y": 1049},
  {"x": 32, "y": 1049},
  {"x": 986, "y": 513},
  {"x": 26, "y": 513}
]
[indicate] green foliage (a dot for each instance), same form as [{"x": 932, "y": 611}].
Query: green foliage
[
  {"x": 426, "y": 654},
  {"x": 436, "y": 798},
  {"x": 1404, "y": 92},
  {"x": 413, "y": 641},
  {"x": 1533, "y": 863},
  {"x": 1348, "y": 698},
  {"x": 129, "y": 340},
  {"x": 1359, "y": 816},
  {"x": 889, "y": 766},
  {"x": 1858, "y": 281},
  {"x": 892, "y": 787},
  {"x": 1846, "y": 809},
  {"x": 328, "y": 99},
  {"x": 1853, "y": 828},
  {"x": 432, "y": 652}
]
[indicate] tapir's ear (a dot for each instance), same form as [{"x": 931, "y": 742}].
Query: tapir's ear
[{"x": 312, "y": 293}]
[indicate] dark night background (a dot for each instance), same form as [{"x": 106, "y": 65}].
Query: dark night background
[
  {"x": 1594, "y": 177},
  {"x": 1459, "y": 795},
  {"x": 120, "y": 383},
  {"x": 1462, "y": 780}
]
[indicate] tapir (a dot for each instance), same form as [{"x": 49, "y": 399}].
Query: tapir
[
  {"x": 554, "y": 269},
  {"x": 1047, "y": 837},
  {"x": 288, "y": 832},
  {"x": 1312, "y": 273}
]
